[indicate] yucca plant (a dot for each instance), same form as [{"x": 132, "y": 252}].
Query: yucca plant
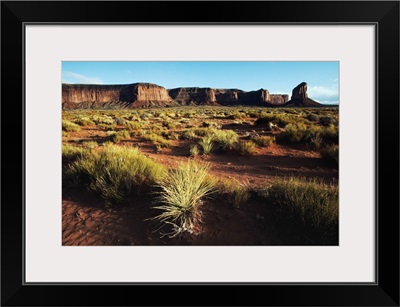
[{"x": 182, "y": 193}]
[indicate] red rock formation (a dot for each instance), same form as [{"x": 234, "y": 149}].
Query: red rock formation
[
  {"x": 143, "y": 95},
  {"x": 300, "y": 97},
  {"x": 279, "y": 98}
]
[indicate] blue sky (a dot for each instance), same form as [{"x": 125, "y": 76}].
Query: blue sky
[{"x": 277, "y": 77}]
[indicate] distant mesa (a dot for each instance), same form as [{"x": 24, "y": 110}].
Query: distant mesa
[{"x": 145, "y": 95}]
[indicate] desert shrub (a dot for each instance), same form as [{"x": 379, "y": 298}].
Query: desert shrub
[
  {"x": 330, "y": 134},
  {"x": 211, "y": 125},
  {"x": 225, "y": 138},
  {"x": 263, "y": 141},
  {"x": 103, "y": 119},
  {"x": 106, "y": 126},
  {"x": 116, "y": 173},
  {"x": 84, "y": 121},
  {"x": 169, "y": 124},
  {"x": 279, "y": 120},
  {"x": 326, "y": 120},
  {"x": 120, "y": 135},
  {"x": 69, "y": 126},
  {"x": 120, "y": 121},
  {"x": 312, "y": 117},
  {"x": 300, "y": 133},
  {"x": 65, "y": 134},
  {"x": 233, "y": 191},
  {"x": 90, "y": 144},
  {"x": 246, "y": 148},
  {"x": 309, "y": 205},
  {"x": 131, "y": 126},
  {"x": 71, "y": 152},
  {"x": 331, "y": 152},
  {"x": 188, "y": 134},
  {"x": 182, "y": 193},
  {"x": 207, "y": 143},
  {"x": 158, "y": 140},
  {"x": 235, "y": 115},
  {"x": 194, "y": 150}
]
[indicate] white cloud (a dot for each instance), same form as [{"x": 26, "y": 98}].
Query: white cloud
[
  {"x": 78, "y": 78},
  {"x": 324, "y": 94}
]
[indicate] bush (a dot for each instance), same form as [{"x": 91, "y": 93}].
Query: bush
[
  {"x": 158, "y": 140},
  {"x": 90, "y": 144},
  {"x": 326, "y": 120},
  {"x": 116, "y": 174},
  {"x": 233, "y": 191},
  {"x": 194, "y": 150},
  {"x": 120, "y": 135},
  {"x": 84, "y": 121},
  {"x": 225, "y": 138},
  {"x": 73, "y": 152},
  {"x": 131, "y": 126},
  {"x": 331, "y": 152},
  {"x": 279, "y": 120},
  {"x": 263, "y": 141},
  {"x": 207, "y": 143},
  {"x": 247, "y": 148},
  {"x": 310, "y": 205},
  {"x": 69, "y": 126},
  {"x": 312, "y": 117},
  {"x": 183, "y": 191}
]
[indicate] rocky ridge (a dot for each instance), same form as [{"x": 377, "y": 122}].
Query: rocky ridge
[{"x": 144, "y": 95}]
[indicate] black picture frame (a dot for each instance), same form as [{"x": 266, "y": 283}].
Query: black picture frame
[{"x": 383, "y": 14}]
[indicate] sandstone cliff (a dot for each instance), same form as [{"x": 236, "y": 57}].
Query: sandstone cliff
[
  {"x": 143, "y": 95},
  {"x": 300, "y": 97}
]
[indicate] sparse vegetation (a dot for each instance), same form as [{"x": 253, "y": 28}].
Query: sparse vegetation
[
  {"x": 116, "y": 173},
  {"x": 263, "y": 141},
  {"x": 187, "y": 154},
  {"x": 311, "y": 205},
  {"x": 247, "y": 148},
  {"x": 69, "y": 126},
  {"x": 182, "y": 193},
  {"x": 207, "y": 143}
]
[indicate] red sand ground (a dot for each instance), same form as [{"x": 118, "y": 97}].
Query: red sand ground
[{"x": 86, "y": 220}]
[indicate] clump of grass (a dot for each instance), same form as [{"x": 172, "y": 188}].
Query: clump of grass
[
  {"x": 331, "y": 152},
  {"x": 69, "y": 126},
  {"x": 65, "y": 134},
  {"x": 168, "y": 124},
  {"x": 132, "y": 126},
  {"x": 71, "y": 152},
  {"x": 246, "y": 148},
  {"x": 312, "y": 117},
  {"x": 263, "y": 141},
  {"x": 207, "y": 143},
  {"x": 158, "y": 140},
  {"x": 119, "y": 136},
  {"x": 194, "y": 150},
  {"x": 84, "y": 121},
  {"x": 106, "y": 126},
  {"x": 279, "y": 120},
  {"x": 120, "y": 121},
  {"x": 233, "y": 191},
  {"x": 116, "y": 173},
  {"x": 309, "y": 204},
  {"x": 182, "y": 193},
  {"x": 326, "y": 120},
  {"x": 188, "y": 135},
  {"x": 90, "y": 144},
  {"x": 225, "y": 138}
]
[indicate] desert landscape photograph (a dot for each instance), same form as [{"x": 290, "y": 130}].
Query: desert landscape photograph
[{"x": 200, "y": 153}]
